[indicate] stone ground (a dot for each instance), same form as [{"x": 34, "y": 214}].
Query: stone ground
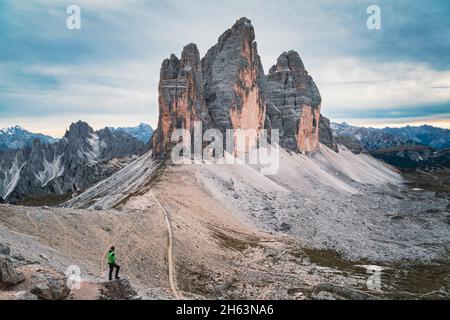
[{"x": 306, "y": 233}]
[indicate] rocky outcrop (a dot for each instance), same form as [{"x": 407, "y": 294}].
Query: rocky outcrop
[
  {"x": 351, "y": 144},
  {"x": 8, "y": 275},
  {"x": 224, "y": 91},
  {"x": 117, "y": 290},
  {"x": 326, "y": 134},
  {"x": 181, "y": 98},
  {"x": 111, "y": 290},
  {"x": 31, "y": 282},
  {"x": 234, "y": 81},
  {"x": 76, "y": 161},
  {"x": 48, "y": 284},
  {"x": 4, "y": 249},
  {"x": 293, "y": 103}
]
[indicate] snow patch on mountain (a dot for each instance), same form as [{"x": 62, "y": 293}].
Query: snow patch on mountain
[
  {"x": 91, "y": 152},
  {"x": 142, "y": 132},
  {"x": 76, "y": 161},
  {"x": 11, "y": 178},
  {"x": 17, "y": 138},
  {"x": 52, "y": 170},
  {"x": 95, "y": 150}
]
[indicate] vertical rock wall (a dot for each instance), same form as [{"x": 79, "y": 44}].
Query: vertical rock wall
[
  {"x": 293, "y": 103},
  {"x": 326, "y": 135},
  {"x": 234, "y": 81},
  {"x": 181, "y": 101}
]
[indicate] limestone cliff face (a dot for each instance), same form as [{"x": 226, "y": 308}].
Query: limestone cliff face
[
  {"x": 233, "y": 79},
  {"x": 181, "y": 101},
  {"x": 293, "y": 103}
]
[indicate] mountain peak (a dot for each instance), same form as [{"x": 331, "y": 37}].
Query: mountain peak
[
  {"x": 288, "y": 61},
  {"x": 190, "y": 57},
  {"x": 18, "y": 128},
  {"x": 12, "y": 130},
  {"x": 244, "y": 21},
  {"x": 79, "y": 129},
  {"x": 17, "y": 137},
  {"x": 142, "y": 132},
  {"x": 242, "y": 27},
  {"x": 80, "y": 125}
]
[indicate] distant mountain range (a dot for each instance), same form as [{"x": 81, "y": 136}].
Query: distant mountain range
[
  {"x": 374, "y": 139},
  {"x": 424, "y": 147},
  {"x": 142, "y": 132},
  {"x": 50, "y": 167},
  {"x": 18, "y": 138}
]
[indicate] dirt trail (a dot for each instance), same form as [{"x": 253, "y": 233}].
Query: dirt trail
[{"x": 169, "y": 251}]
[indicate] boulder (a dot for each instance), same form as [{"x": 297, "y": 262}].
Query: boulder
[
  {"x": 49, "y": 285},
  {"x": 8, "y": 275},
  {"x": 24, "y": 296},
  {"x": 52, "y": 290},
  {"x": 108, "y": 290},
  {"x": 117, "y": 290},
  {"x": 4, "y": 249}
]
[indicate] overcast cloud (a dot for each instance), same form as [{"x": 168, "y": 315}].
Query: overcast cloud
[{"x": 107, "y": 73}]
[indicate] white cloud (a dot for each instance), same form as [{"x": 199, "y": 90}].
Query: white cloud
[
  {"x": 91, "y": 93},
  {"x": 354, "y": 84}
]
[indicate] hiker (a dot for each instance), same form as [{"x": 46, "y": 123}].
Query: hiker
[{"x": 112, "y": 263}]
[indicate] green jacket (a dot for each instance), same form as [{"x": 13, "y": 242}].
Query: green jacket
[{"x": 111, "y": 257}]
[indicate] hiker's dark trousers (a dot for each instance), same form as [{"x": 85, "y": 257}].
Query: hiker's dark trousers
[{"x": 111, "y": 269}]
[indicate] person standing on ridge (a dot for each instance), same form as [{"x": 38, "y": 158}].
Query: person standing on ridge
[{"x": 112, "y": 263}]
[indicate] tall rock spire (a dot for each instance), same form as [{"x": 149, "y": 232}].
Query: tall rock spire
[
  {"x": 293, "y": 103},
  {"x": 181, "y": 101},
  {"x": 234, "y": 81}
]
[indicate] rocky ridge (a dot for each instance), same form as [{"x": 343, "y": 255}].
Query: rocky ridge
[
  {"x": 424, "y": 147},
  {"x": 142, "y": 132},
  {"x": 18, "y": 138},
  {"x": 81, "y": 158}
]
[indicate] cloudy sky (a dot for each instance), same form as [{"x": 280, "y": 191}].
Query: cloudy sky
[{"x": 107, "y": 72}]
